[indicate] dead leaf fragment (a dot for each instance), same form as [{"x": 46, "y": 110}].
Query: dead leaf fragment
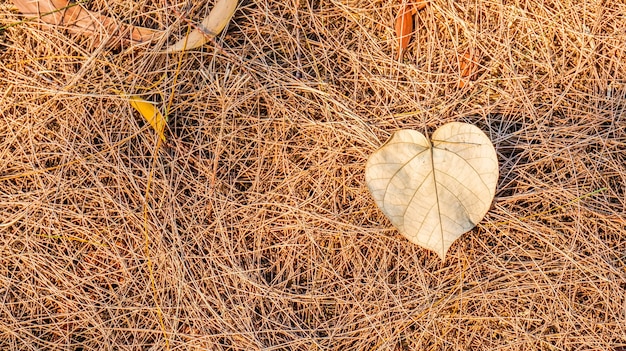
[
  {"x": 148, "y": 111},
  {"x": 468, "y": 66},
  {"x": 211, "y": 26},
  {"x": 405, "y": 24},
  {"x": 404, "y": 28},
  {"x": 77, "y": 19}
]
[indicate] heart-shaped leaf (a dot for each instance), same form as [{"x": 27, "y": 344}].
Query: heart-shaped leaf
[{"x": 434, "y": 192}]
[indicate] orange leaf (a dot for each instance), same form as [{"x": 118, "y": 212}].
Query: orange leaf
[
  {"x": 77, "y": 19},
  {"x": 468, "y": 66},
  {"x": 404, "y": 28}
]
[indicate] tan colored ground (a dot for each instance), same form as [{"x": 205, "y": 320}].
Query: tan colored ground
[{"x": 252, "y": 229}]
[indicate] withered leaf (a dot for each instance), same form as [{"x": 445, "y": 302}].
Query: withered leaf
[
  {"x": 468, "y": 66},
  {"x": 77, "y": 19},
  {"x": 148, "y": 111},
  {"x": 405, "y": 24},
  {"x": 434, "y": 190},
  {"x": 211, "y": 26},
  {"x": 404, "y": 28}
]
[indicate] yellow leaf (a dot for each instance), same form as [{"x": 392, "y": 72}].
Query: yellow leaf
[
  {"x": 211, "y": 26},
  {"x": 150, "y": 112}
]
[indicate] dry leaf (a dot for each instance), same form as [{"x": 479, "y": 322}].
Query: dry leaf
[
  {"x": 150, "y": 112},
  {"x": 433, "y": 193},
  {"x": 468, "y": 66},
  {"x": 80, "y": 20},
  {"x": 404, "y": 28},
  {"x": 405, "y": 25},
  {"x": 211, "y": 26}
]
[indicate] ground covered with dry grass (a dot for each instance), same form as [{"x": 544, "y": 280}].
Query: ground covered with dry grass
[{"x": 252, "y": 228}]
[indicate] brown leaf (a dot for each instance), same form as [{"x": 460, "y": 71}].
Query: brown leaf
[
  {"x": 77, "y": 19},
  {"x": 404, "y": 28},
  {"x": 468, "y": 66}
]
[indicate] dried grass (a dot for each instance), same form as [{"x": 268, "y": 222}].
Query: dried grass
[{"x": 261, "y": 234}]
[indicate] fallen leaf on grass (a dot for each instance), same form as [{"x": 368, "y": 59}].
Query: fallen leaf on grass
[
  {"x": 434, "y": 192},
  {"x": 405, "y": 25},
  {"x": 468, "y": 66},
  {"x": 404, "y": 28},
  {"x": 211, "y": 26},
  {"x": 150, "y": 112},
  {"x": 77, "y": 19}
]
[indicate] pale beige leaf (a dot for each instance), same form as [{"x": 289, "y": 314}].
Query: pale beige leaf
[
  {"x": 434, "y": 192},
  {"x": 211, "y": 26},
  {"x": 77, "y": 19}
]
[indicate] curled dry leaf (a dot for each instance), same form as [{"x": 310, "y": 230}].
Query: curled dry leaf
[
  {"x": 433, "y": 192},
  {"x": 148, "y": 111},
  {"x": 77, "y": 19},
  {"x": 211, "y": 26},
  {"x": 468, "y": 66}
]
